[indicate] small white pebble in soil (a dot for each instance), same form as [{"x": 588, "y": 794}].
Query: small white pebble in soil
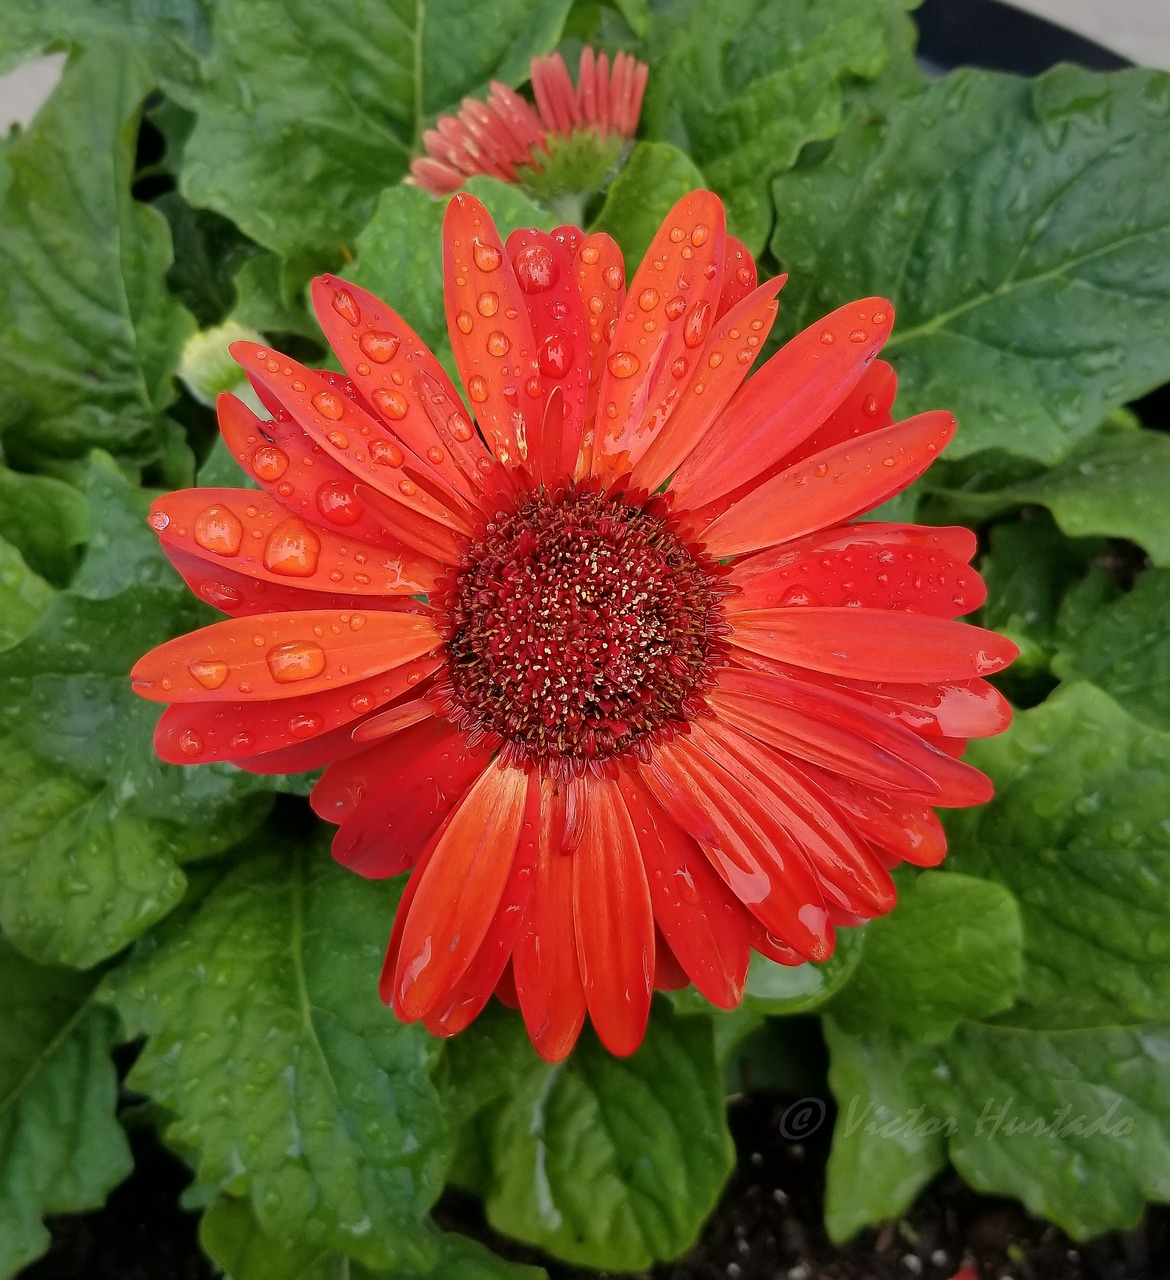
[
  {"x": 939, "y": 1258},
  {"x": 743, "y": 1246},
  {"x": 781, "y": 1197},
  {"x": 757, "y": 1158},
  {"x": 799, "y": 1272},
  {"x": 734, "y": 1270},
  {"x": 913, "y": 1263}
]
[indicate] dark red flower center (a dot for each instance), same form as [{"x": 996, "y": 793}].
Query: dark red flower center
[{"x": 581, "y": 626}]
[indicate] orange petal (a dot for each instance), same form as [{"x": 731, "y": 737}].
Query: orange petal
[
  {"x": 802, "y": 384},
  {"x": 345, "y": 432},
  {"x": 281, "y": 655},
  {"x": 874, "y": 644},
  {"x": 614, "y": 921},
  {"x": 203, "y": 731},
  {"x": 544, "y": 267},
  {"x": 483, "y": 974},
  {"x": 832, "y": 486},
  {"x": 544, "y": 960},
  {"x": 491, "y": 334},
  {"x": 668, "y": 314},
  {"x": 460, "y": 889},
  {"x": 256, "y": 536},
  {"x": 866, "y": 408},
  {"x": 723, "y": 364},
  {"x": 601, "y": 285},
  {"x": 704, "y": 925},
  {"x": 739, "y": 275},
  {"x": 397, "y": 374}
]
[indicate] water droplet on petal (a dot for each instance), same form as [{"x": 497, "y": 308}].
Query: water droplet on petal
[
  {"x": 390, "y": 404},
  {"x": 677, "y": 235},
  {"x": 537, "y": 270},
  {"x": 299, "y": 660},
  {"x": 675, "y": 307},
  {"x": 498, "y": 344},
  {"x": 361, "y": 702},
  {"x": 269, "y": 462},
  {"x": 488, "y": 303},
  {"x": 679, "y": 368},
  {"x": 242, "y": 741},
  {"x": 648, "y": 299},
  {"x": 209, "y": 674},
  {"x": 613, "y": 277},
  {"x": 477, "y": 388},
  {"x": 304, "y": 725},
  {"x": 190, "y": 743},
  {"x": 858, "y": 335},
  {"x": 385, "y": 453},
  {"x": 338, "y": 439},
  {"x": 292, "y": 550},
  {"x": 329, "y": 405},
  {"x": 487, "y": 256},
  {"x": 745, "y": 275},
  {"x": 379, "y": 346},
  {"x": 827, "y": 337},
  {"x": 158, "y": 520},
  {"x": 555, "y": 357},
  {"x": 700, "y": 234},
  {"x": 346, "y": 307},
  {"x": 337, "y": 502},
  {"x": 590, "y": 254},
  {"x": 220, "y": 595},
  {"x": 219, "y": 530},
  {"x": 435, "y": 454},
  {"x": 695, "y": 329},
  {"x": 459, "y": 427},
  {"x": 623, "y": 364},
  {"x": 407, "y": 488}
]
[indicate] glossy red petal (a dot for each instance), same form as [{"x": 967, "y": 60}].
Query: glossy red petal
[
  {"x": 831, "y": 487},
  {"x": 347, "y": 433},
  {"x": 711, "y": 381},
  {"x": 601, "y": 284},
  {"x": 739, "y": 275},
  {"x": 256, "y": 536},
  {"x": 391, "y": 799},
  {"x": 614, "y": 921},
  {"x": 483, "y": 974},
  {"x": 491, "y": 333},
  {"x": 544, "y": 268},
  {"x": 703, "y": 923},
  {"x": 874, "y": 644},
  {"x": 459, "y": 891},
  {"x": 544, "y": 960},
  {"x": 397, "y": 374},
  {"x": 668, "y": 314},
  {"x": 281, "y": 655},
  {"x": 760, "y": 863},
  {"x": 669, "y": 975},
  {"x": 866, "y": 408},
  {"x": 203, "y": 731},
  {"x": 802, "y": 384}
]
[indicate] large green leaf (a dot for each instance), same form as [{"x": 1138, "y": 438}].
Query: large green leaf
[
  {"x": 1074, "y": 1124},
  {"x": 1022, "y": 230},
  {"x": 171, "y": 34},
  {"x": 61, "y": 1148},
  {"x": 314, "y": 107},
  {"x": 24, "y": 595},
  {"x": 288, "y": 1079},
  {"x": 656, "y": 176},
  {"x": 950, "y": 950},
  {"x": 92, "y": 824},
  {"x": 887, "y": 1141},
  {"x": 743, "y": 85},
  {"x": 614, "y": 1162},
  {"x": 1078, "y": 832},
  {"x": 1126, "y": 650},
  {"x": 89, "y": 336},
  {"x": 46, "y": 520}
]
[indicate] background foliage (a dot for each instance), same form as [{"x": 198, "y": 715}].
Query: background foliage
[{"x": 199, "y": 160}]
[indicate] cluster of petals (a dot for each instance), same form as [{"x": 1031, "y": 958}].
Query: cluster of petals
[
  {"x": 826, "y": 693},
  {"x": 504, "y": 135}
]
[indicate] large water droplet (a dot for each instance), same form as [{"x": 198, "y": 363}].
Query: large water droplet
[
  {"x": 299, "y": 660},
  {"x": 337, "y": 502},
  {"x": 390, "y": 404},
  {"x": 385, "y": 453},
  {"x": 555, "y": 357},
  {"x": 378, "y": 345},
  {"x": 695, "y": 328},
  {"x": 346, "y": 307},
  {"x": 304, "y": 725},
  {"x": 590, "y": 254},
  {"x": 488, "y": 303},
  {"x": 190, "y": 743},
  {"x": 623, "y": 364},
  {"x": 498, "y": 344},
  {"x": 158, "y": 520},
  {"x": 536, "y": 268},
  {"x": 477, "y": 388},
  {"x": 269, "y": 462},
  {"x": 464, "y": 322},
  {"x": 329, "y": 405},
  {"x": 219, "y": 530},
  {"x": 292, "y": 550},
  {"x": 487, "y": 256},
  {"x": 210, "y": 674}
]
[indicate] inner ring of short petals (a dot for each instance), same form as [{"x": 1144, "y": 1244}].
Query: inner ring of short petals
[{"x": 581, "y": 627}]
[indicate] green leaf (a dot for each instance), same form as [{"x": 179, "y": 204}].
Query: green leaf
[
  {"x": 92, "y": 824},
  {"x": 61, "y": 1148},
  {"x": 1114, "y": 484},
  {"x": 744, "y": 85},
  {"x": 400, "y": 252},
  {"x": 1078, "y": 832},
  {"x": 46, "y": 520},
  {"x": 656, "y": 176},
  {"x": 171, "y": 34},
  {"x": 289, "y": 1080},
  {"x": 1074, "y": 1124},
  {"x": 950, "y": 950},
  {"x": 209, "y": 251},
  {"x": 1022, "y": 231},
  {"x": 23, "y": 595},
  {"x": 1125, "y": 649},
  {"x": 614, "y": 1162},
  {"x": 313, "y": 108},
  {"x": 265, "y": 299},
  {"x": 887, "y": 1142},
  {"x": 89, "y": 335}
]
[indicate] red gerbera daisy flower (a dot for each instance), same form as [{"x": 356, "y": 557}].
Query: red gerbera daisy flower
[
  {"x": 610, "y": 670},
  {"x": 568, "y": 143}
]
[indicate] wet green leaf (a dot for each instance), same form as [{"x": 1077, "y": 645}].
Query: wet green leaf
[{"x": 656, "y": 176}]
